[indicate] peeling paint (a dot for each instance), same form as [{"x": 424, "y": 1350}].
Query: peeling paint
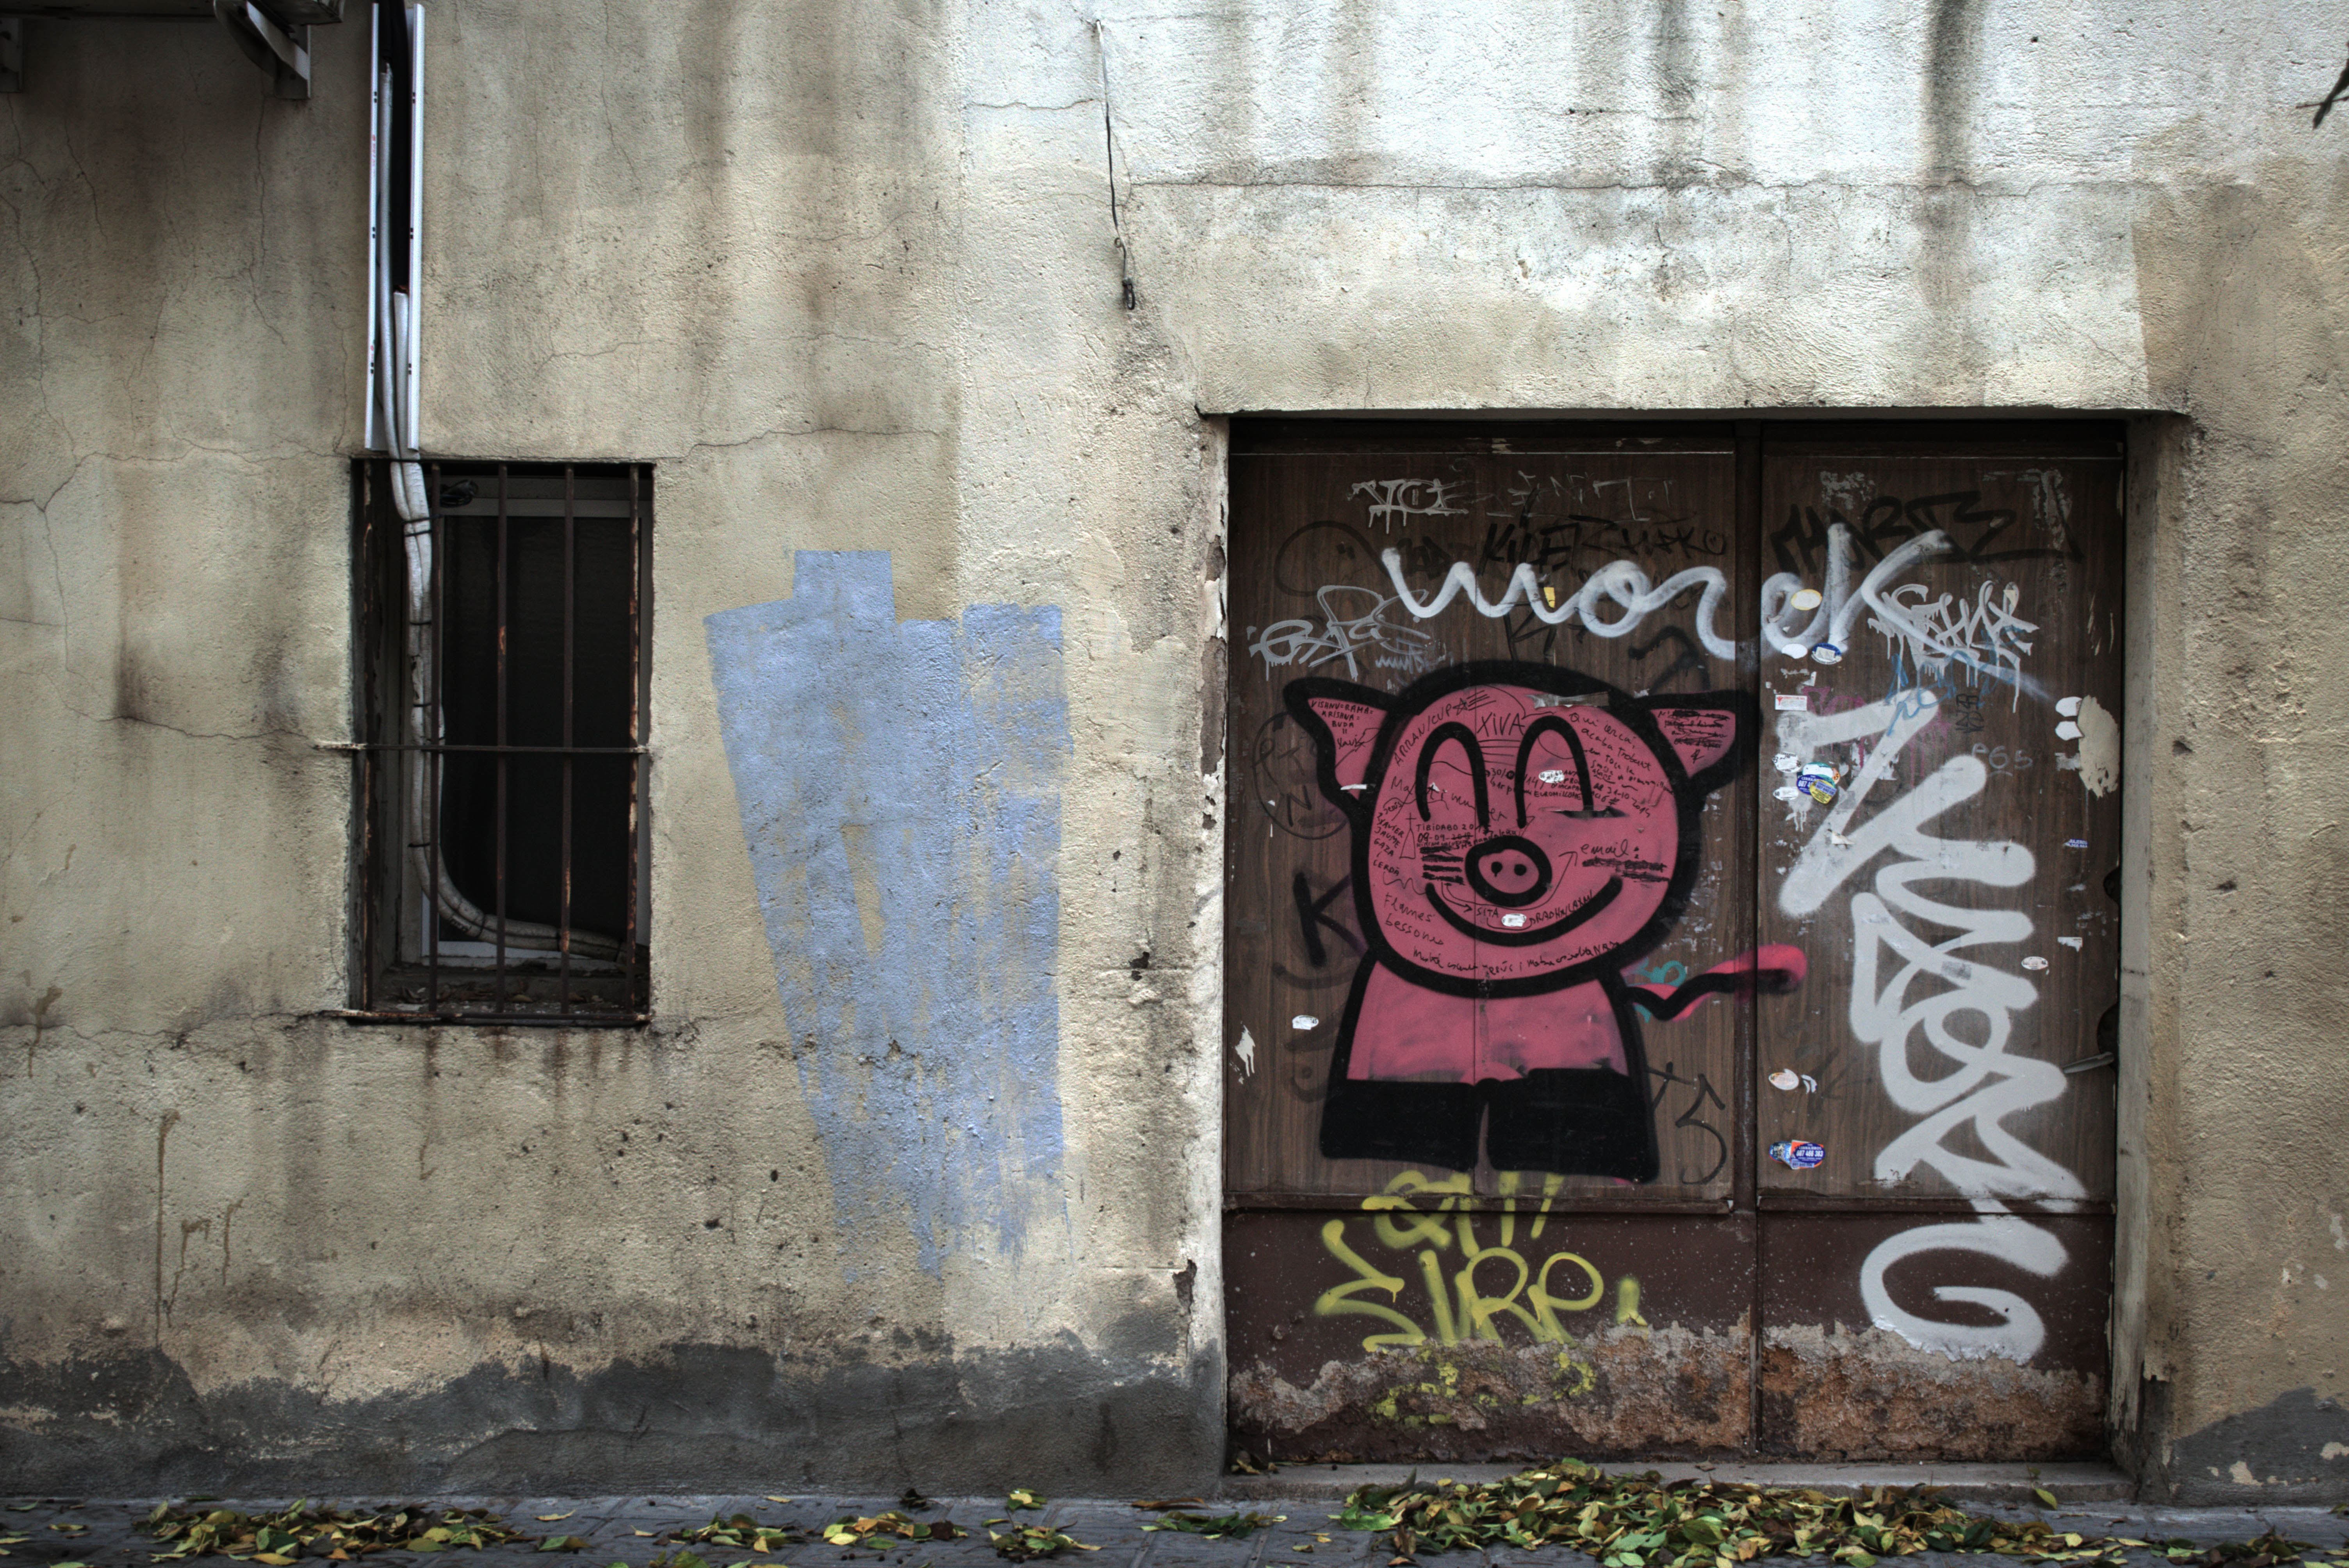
[
  {"x": 1868, "y": 1394},
  {"x": 1622, "y": 1390},
  {"x": 2100, "y": 747}
]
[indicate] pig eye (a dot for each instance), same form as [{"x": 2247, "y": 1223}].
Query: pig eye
[
  {"x": 1551, "y": 724},
  {"x": 1474, "y": 754}
]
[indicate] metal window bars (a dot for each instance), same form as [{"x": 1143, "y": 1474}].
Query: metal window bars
[{"x": 429, "y": 949}]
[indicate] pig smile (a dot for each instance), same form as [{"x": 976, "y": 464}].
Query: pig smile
[{"x": 1581, "y": 912}]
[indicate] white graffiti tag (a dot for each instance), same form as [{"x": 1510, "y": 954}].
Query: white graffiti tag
[
  {"x": 1984, "y": 638},
  {"x": 1906, "y": 986},
  {"x": 1621, "y": 585},
  {"x": 1340, "y": 634},
  {"x": 2004, "y": 1237},
  {"x": 1400, "y": 501}
]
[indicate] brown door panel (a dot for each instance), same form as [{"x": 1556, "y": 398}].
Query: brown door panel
[
  {"x": 1952, "y": 887},
  {"x": 1609, "y": 970}
]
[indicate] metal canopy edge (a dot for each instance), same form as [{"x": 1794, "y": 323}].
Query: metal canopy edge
[
  {"x": 294, "y": 12},
  {"x": 274, "y": 37}
]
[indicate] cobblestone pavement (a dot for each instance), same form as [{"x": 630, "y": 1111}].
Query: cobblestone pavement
[{"x": 633, "y": 1530}]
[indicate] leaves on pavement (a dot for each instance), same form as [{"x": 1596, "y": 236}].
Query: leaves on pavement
[
  {"x": 1023, "y": 1543},
  {"x": 335, "y": 1535},
  {"x": 1216, "y": 1527},
  {"x": 1642, "y": 1522},
  {"x": 894, "y": 1523},
  {"x": 743, "y": 1533}
]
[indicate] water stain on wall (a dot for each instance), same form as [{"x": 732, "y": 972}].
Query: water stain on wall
[{"x": 899, "y": 787}]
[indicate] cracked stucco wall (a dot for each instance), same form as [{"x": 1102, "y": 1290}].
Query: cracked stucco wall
[{"x": 847, "y": 275}]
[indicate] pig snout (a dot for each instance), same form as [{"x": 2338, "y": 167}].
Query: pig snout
[{"x": 1510, "y": 871}]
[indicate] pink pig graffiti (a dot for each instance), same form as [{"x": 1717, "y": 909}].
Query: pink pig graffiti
[{"x": 1521, "y": 833}]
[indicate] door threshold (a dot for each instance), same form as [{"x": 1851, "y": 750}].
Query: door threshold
[{"x": 2068, "y": 1483}]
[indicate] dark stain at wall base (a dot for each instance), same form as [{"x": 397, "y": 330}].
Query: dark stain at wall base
[
  {"x": 2294, "y": 1449},
  {"x": 695, "y": 1418}
]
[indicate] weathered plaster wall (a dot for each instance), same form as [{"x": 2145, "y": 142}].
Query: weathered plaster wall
[
  {"x": 2247, "y": 1339},
  {"x": 847, "y": 273},
  {"x": 248, "y": 1246}
]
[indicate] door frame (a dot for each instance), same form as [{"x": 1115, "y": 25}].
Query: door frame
[{"x": 2154, "y": 447}]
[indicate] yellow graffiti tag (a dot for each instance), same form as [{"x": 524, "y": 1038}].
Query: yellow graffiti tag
[
  {"x": 1338, "y": 1300},
  {"x": 1490, "y": 1284}
]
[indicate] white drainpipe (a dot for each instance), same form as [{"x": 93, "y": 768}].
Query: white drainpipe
[{"x": 395, "y": 395}]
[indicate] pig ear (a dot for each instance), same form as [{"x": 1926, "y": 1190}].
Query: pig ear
[
  {"x": 1708, "y": 732},
  {"x": 1343, "y": 719}
]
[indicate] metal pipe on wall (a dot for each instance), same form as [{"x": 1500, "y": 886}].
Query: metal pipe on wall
[{"x": 396, "y": 389}]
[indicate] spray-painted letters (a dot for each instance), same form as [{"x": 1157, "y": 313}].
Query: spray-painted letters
[
  {"x": 1621, "y": 585},
  {"x": 1918, "y": 1000},
  {"x": 1458, "y": 1286}
]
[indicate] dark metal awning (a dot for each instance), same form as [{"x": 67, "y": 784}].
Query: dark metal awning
[
  {"x": 294, "y": 12},
  {"x": 274, "y": 35}
]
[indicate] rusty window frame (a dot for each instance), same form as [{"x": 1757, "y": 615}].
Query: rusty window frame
[{"x": 406, "y": 965}]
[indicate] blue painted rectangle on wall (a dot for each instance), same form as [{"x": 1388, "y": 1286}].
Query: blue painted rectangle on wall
[{"x": 899, "y": 787}]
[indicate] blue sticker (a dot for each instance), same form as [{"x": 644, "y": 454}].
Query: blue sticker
[
  {"x": 2075, "y": 843},
  {"x": 1796, "y": 1154}
]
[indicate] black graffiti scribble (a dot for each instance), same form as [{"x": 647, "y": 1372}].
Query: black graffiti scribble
[
  {"x": 1312, "y": 914},
  {"x": 1580, "y": 541},
  {"x": 1283, "y": 758},
  {"x": 1977, "y": 534},
  {"x": 1332, "y": 545},
  {"x": 1689, "y": 661},
  {"x": 1503, "y": 542},
  {"x": 1832, "y": 1077},
  {"x": 1689, "y": 1118},
  {"x": 1423, "y": 557},
  {"x": 1529, "y": 635}
]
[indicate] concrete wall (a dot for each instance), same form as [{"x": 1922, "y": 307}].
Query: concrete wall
[{"x": 848, "y": 275}]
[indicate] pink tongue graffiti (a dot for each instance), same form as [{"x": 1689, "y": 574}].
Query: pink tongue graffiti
[{"x": 1521, "y": 833}]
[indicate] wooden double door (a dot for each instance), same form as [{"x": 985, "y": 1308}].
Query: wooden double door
[{"x": 1671, "y": 940}]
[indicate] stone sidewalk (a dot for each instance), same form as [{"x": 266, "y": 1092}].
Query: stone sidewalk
[{"x": 634, "y": 1529}]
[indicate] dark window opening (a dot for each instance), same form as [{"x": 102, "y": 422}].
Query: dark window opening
[{"x": 502, "y": 769}]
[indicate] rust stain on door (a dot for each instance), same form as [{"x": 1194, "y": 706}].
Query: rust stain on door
[{"x": 1396, "y": 1332}]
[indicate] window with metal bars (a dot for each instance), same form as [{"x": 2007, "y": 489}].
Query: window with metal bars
[{"x": 503, "y": 697}]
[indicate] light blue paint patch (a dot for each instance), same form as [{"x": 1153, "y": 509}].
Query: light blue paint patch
[{"x": 899, "y": 787}]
